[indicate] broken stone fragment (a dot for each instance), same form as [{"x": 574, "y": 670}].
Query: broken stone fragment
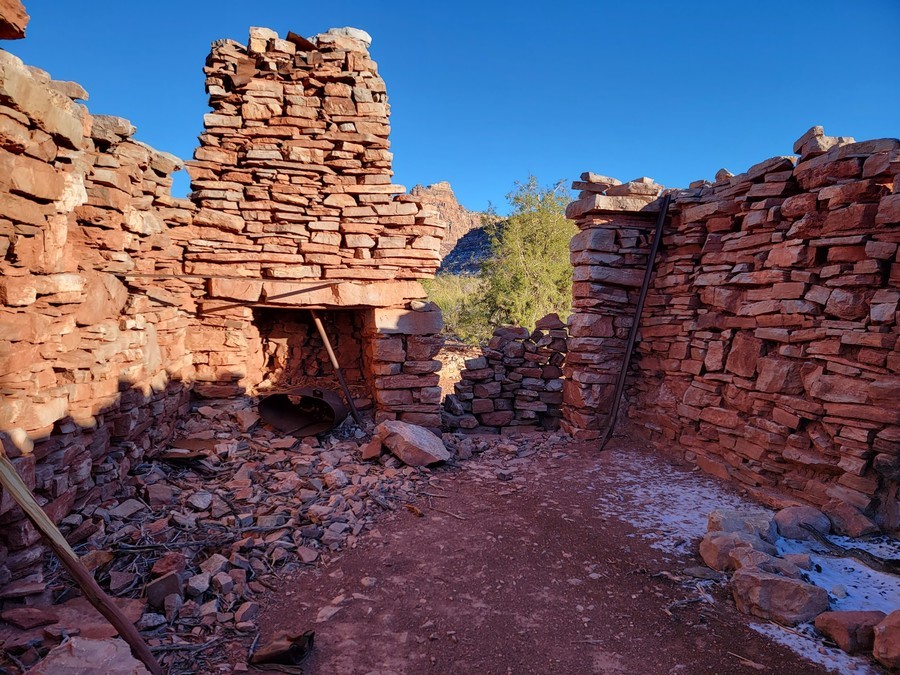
[
  {"x": 160, "y": 494},
  {"x": 200, "y": 501},
  {"x": 246, "y": 612},
  {"x": 847, "y": 520},
  {"x": 198, "y": 584},
  {"x": 159, "y": 589},
  {"x": 326, "y": 613},
  {"x": 127, "y": 509},
  {"x": 150, "y": 620},
  {"x": 810, "y": 134},
  {"x": 27, "y": 618},
  {"x": 111, "y": 129},
  {"x": 173, "y": 561},
  {"x": 71, "y": 89},
  {"x": 748, "y": 557},
  {"x": 120, "y": 581},
  {"x": 85, "y": 656},
  {"x": 354, "y": 33},
  {"x": 853, "y": 632},
  {"x": 716, "y": 548},
  {"x": 723, "y": 175},
  {"x": 550, "y": 322},
  {"x": 414, "y": 445},
  {"x": 214, "y": 564},
  {"x": 247, "y": 419},
  {"x": 789, "y": 520},
  {"x": 599, "y": 180},
  {"x": 223, "y": 582},
  {"x": 886, "y": 648},
  {"x": 307, "y": 555},
  {"x": 770, "y": 596},
  {"x": 759, "y": 523}
]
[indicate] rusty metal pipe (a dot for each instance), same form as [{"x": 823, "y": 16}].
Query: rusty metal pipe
[
  {"x": 336, "y": 366},
  {"x": 632, "y": 334}
]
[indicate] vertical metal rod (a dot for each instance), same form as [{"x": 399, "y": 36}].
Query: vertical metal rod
[
  {"x": 632, "y": 334},
  {"x": 336, "y": 366}
]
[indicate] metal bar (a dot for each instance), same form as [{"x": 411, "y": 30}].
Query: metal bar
[
  {"x": 336, "y": 365},
  {"x": 632, "y": 334}
]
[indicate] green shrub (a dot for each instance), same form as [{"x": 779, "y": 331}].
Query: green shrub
[
  {"x": 457, "y": 296},
  {"x": 528, "y": 274}
]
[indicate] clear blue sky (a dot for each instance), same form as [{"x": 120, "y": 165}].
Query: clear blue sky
[{"x": 485, "y": 93}]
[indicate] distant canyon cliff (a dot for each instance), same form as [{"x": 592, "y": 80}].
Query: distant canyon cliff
[{"x": 460, "y": 221}]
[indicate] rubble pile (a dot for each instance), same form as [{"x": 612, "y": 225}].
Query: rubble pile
[
  {"x": 118, "y": 301},
  {"x": 777, "y": 587},
  {"x": 515, "y": 385},
  {"x": 203, "y": 528},
  {"x": 768, "y": 349}
]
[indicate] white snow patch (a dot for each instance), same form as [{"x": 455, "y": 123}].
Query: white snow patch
[
  {"x": 670, "y": 505},
  {"x": 807, "y": 644},
  {"x": 850, "y": 584}
]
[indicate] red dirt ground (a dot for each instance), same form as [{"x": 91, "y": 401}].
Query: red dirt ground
[{"x": 509, "y": 589}]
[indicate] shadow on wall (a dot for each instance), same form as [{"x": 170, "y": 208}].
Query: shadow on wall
[{"x": 76, "y": 465}]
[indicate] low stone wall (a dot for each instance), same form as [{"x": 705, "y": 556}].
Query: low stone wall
[
  {"x": 92, "y": 360},
  {"x": 769, "y": 345},
  {"x": 515, "y": 385}
]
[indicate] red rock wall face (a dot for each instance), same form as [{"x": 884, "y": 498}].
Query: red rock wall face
[
  {"x": 769, "y": 346},
  {"x": 457, "y": 220},
  {"x": 92, "y": 359}
]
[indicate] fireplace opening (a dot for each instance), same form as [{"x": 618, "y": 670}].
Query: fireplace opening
[{"x": 293, "y": 354}]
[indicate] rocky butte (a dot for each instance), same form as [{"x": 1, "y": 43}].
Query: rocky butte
[{"x": 458, "y": 220}]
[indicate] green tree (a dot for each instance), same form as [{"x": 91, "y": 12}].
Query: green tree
[{"x": 528, "y": 274}]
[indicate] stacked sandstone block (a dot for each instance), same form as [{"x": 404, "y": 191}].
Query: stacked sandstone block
[
  {"x": 515, "y": 385},
  {"x": 90, "y": 358},
  {"x": 293, "y": 172},
  {"x": 297, "y": 211},
  {"x": 608, "y": 256},
  {"x": 769, "y": 347},
  {"x": 400, "y": 350}
]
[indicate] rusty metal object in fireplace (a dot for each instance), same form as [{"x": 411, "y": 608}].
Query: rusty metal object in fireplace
[{"x": 303, "y": 411}]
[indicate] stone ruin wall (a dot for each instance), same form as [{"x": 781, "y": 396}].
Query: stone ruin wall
[
  {"x": 515, "y": 385},
  {"x": 109, "y": 317},
  {"x": 297, "y": 210},
  {"x": 769, "y": 349},
  {"x": 93, "y": 364}
]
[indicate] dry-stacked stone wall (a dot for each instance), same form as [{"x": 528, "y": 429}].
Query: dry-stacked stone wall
[
  {"x": 297, "y": 210},
  {"x": 515, "y": 385},
  {"x": 92, "y": 361},
  {"x": 117, "y": 300},
  {"x": 769, "y": 345}
]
